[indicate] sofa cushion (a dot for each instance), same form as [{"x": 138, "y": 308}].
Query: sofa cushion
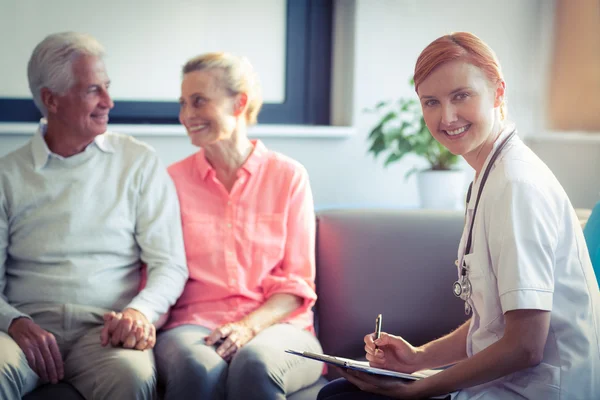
[
  {"x": 398, "y": 263},
  {"x": 61, "y": 390}
]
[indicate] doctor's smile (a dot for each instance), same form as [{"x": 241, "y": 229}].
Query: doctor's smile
[{"x": 457, "y": 133}]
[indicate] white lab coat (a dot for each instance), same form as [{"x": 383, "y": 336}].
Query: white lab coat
[{"x": 528, "y": 252}]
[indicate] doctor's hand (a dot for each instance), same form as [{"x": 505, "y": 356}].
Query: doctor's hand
[
  {"x": 234, "y": 336},
  {"x": 391, "y": 352},
  {"x": 40, "y": 348},
  {"x": 131, "y": 329},
  {"x": 385, "y": 386}
]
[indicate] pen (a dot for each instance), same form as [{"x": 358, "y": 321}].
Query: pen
[{"x": 377, "y": 328}]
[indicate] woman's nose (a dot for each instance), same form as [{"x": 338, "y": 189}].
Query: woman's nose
[
  {"x": 185, "y": 113},
  {"x": 448, "y": 114}
]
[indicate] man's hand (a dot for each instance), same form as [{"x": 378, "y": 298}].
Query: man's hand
[
  {"x": 235, "y": 335},
  {"x": 130, "y": 329},
  {"x": 40, "y": 348}
]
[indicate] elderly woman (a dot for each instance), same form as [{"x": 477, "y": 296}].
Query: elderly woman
[
  {"x": 523, "y": 271},
  {"x": 249, "y": 231}
]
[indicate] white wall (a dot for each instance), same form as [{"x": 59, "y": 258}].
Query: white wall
[
  {"x": 576, "y": 164},
  {"x": 389, "y": 34}
]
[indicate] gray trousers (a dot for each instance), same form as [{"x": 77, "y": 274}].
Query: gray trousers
[
  {"x": 96, "y": 372},
  {"x": 189, "y": 369}
]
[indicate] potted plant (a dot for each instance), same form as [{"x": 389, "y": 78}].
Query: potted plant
[{"x": 401, "y": 130}]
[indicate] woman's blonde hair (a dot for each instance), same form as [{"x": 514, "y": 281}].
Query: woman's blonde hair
[
  {"x": 238, "y": 77},
  {"x": 459, "y": 45}
]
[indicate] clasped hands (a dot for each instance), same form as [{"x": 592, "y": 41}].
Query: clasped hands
[{"x": 130, "y": 329}]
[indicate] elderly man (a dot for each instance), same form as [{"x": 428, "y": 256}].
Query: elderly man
[{"x": 80, "y": 210}]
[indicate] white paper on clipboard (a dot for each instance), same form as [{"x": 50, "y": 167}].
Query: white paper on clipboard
[{"x": 363, "y": 365}]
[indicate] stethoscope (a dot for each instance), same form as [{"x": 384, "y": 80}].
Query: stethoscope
[{"x": 462, "y": 287}]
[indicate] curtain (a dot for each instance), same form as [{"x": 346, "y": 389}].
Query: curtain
[{"x": 574, "y": 95}]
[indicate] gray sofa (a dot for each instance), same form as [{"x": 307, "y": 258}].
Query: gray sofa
[{"x": 397, "y": 263}]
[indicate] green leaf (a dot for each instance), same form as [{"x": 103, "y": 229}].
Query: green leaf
[
  {"x": 382, "y": 104},
  {"x": 377, "y": 131},
  {"x": 393, "y": 158},
  {"x": 388, "y": 117},
  {"x": 379, "y": 127},
  {"x": 404, "y": 146},
  {"x": 378, "y": 145}
]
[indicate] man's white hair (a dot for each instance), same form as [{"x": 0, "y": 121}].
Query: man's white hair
[{"x": 51, "y": 63}]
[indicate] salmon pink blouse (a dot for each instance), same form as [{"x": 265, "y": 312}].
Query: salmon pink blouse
[{"x": 245, "y": 245}]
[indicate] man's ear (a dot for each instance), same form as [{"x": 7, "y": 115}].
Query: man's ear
[
  {"x": 500, "y": 91},
  {"x": 241, "y": 103},
  {"x": 50, "y": 100}
]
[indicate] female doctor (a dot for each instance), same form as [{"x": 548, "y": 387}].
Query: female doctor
[{"x": 524, "y": 272}]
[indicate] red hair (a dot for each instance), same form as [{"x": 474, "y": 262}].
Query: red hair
[{"x": 455, "y": 46}]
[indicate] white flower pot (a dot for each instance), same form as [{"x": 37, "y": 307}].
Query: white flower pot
[{"x": 442, "y": 190}]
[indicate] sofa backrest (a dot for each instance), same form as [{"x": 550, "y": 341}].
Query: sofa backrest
[{"x": 397, "y": 263}]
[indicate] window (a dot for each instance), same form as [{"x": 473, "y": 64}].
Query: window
[{"x": 307, "y": 83}]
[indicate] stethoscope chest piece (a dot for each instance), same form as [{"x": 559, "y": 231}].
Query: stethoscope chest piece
[
  {"x": 457, "y": 289},
  {"x": 462, "y": 289}
]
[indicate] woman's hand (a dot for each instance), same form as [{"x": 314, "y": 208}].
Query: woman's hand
[
  {"x": 391, "y": 352},
  {"x": 234, "y": 336},
  {"x": 391, "y": 387}
]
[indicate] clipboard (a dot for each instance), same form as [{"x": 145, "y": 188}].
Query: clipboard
[{"x": 363, "y": 366}]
